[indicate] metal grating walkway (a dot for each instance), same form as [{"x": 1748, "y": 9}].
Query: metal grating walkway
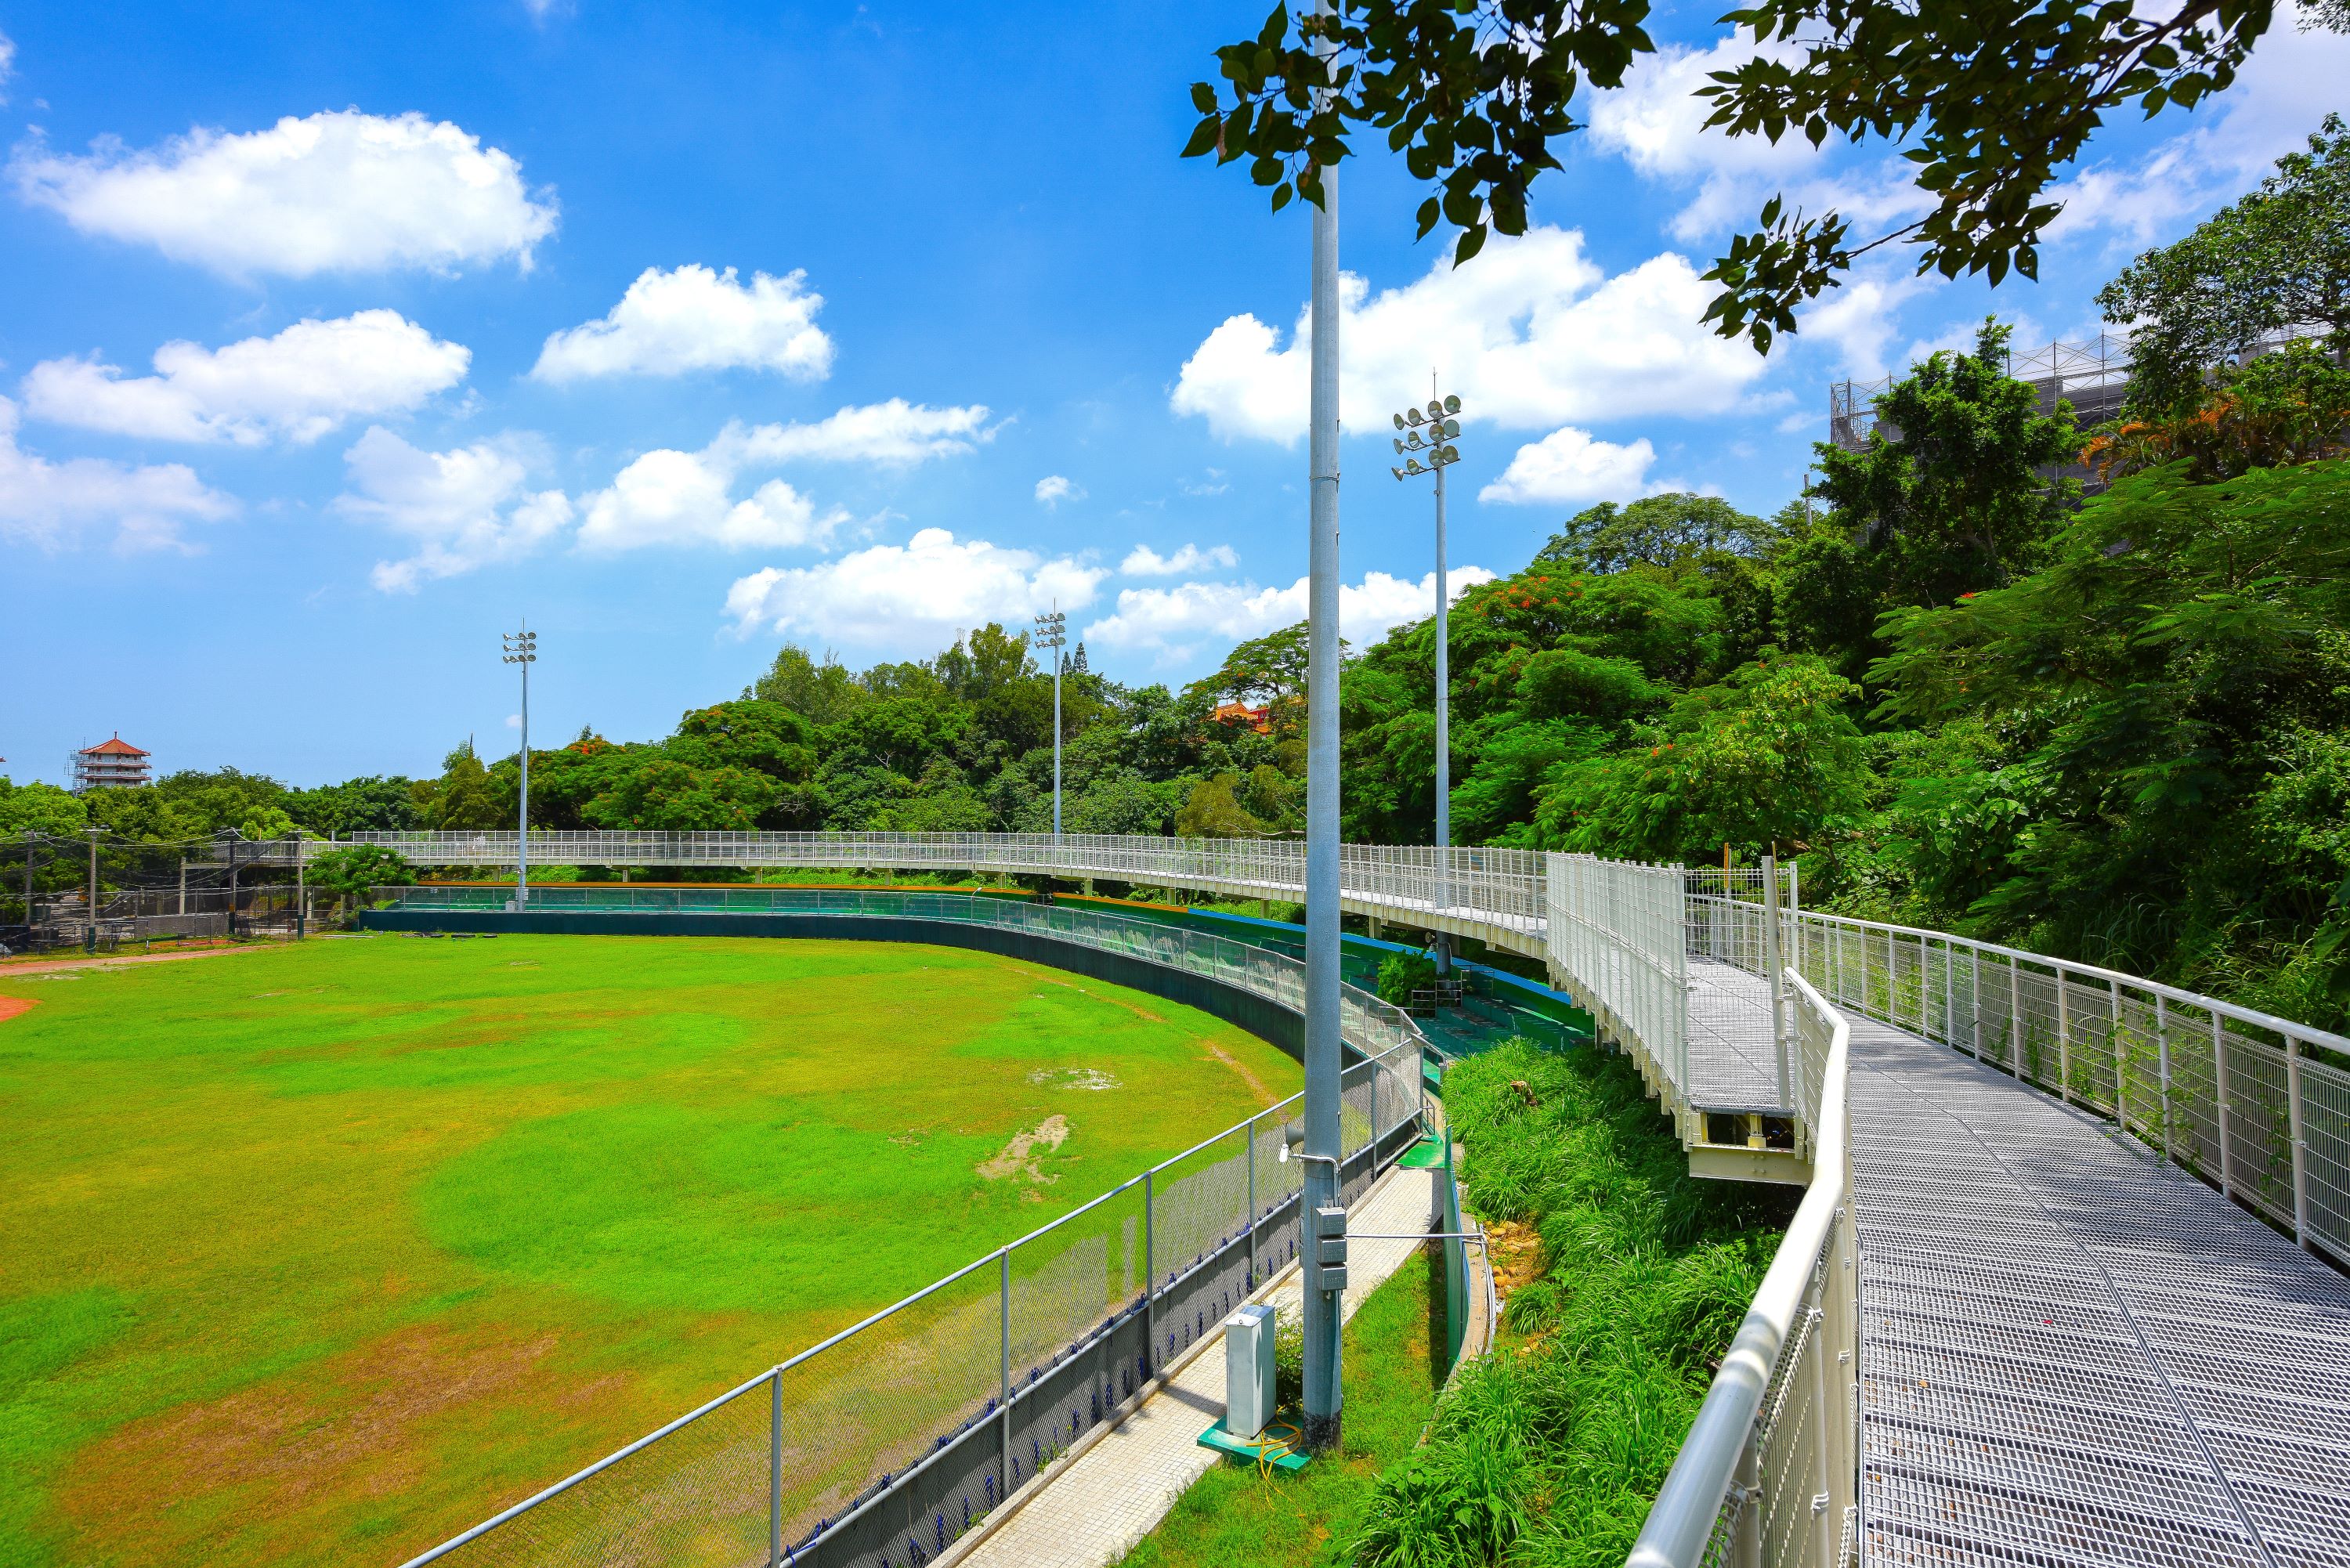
[{"x": 2073, "y": 1352}]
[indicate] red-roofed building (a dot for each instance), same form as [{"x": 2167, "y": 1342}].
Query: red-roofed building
[
  {"x": 1257, "y": 719},
  {"x": 115, "y": 763}
]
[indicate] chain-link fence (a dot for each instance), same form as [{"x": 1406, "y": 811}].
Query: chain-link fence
[
  {"x": 881, "y": 1446},
  {"x": 97, "y": 891}
]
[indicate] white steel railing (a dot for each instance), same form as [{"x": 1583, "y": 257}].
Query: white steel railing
[
  {"x": 2258, "y": 1104},
  {"x": 1769, "y": 1470},
  {"x": 896, "y": 1436}
]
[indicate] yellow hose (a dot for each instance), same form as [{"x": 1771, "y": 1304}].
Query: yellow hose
[{"x": 1269, "y": 1448}]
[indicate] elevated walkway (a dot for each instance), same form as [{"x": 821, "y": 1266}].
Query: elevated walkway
[{"x": 2071, "y": 1351}]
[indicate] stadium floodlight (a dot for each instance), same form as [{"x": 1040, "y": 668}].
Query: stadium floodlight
[
  {"x": 1442, "y": 430},
  {"x": 1053, "y": 631},
  {"x": 522, "y": 648}
]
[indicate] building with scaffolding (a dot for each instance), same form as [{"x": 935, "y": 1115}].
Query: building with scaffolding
[
  {"x": 113, "y": 764},
  {"x": 2094, "y": 377}
]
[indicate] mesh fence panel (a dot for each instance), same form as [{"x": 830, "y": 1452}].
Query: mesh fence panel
[{"x": 696, "y": 1497}]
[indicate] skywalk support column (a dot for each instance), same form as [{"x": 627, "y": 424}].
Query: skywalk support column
[{"x": 1322, "y": 1086}]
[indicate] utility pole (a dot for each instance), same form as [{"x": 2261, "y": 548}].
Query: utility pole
[
  {"x": 1325, "y": 1264},
  {"x": 1442, "y": 429},
  {"x": 522, "y": 648},
  {"x": 89, "y": 938},
  {"x": 1052, "y": 634}
]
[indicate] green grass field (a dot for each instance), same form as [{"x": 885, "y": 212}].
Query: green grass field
[{"x": 320, "y": 1254}]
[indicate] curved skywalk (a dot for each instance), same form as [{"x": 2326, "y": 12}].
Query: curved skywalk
[{"x": 2072, "y": 1351}]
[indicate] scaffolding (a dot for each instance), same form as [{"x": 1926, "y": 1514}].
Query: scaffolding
[{"x": 2094, "y": 377}]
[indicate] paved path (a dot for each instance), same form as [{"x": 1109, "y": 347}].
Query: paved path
[
  {"x": 2073, "y": 1352},
  {"x": 1115, "y": 1493}
]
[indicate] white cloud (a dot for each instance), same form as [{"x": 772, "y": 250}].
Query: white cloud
[
  {"x": 7, "y": 63},
  {"x": 340, "y": 192},
  {"x": 1861, "y": 318},
  {"x": 1532, "y": 335},
  {"x": 298, "y": 385},
  {"x": 671, "y": 497},
  {"x": 47, "y": 504},
  {"x": 894, "y": 433},
  {"x": 1173, "y": 622},
  {"x": 1657, "y": 124},
  {"x": 1568, "y": 467},
  {"x": 2280, "y": 96},
  {"x": 668, "y": 497},
  {"x": 1054, "y": 489},
  {"x": 1142, "y": 561},
  {"x": 464, "y": 509},
  {"x": 693, "y": 318},
  {"x": 910, "y": 597}
]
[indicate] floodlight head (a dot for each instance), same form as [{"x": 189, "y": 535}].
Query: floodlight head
[
  {"x": 1452, "y": 431},
  {"x": 1452, "y": 455},
  {"x": 1452, "y": 402},
  {"x": 1413, "y": 417},
  {"x": 1398, "y": 445},
  {"x": 1435, "y": 409},
  {"x": 1396, "y": 472},
  {"x": 1413, "y": 467},
  {"x": 1398, "y": 420}
]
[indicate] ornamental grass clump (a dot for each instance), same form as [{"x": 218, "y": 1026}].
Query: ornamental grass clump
[{"x": 1549, "y": 1450}]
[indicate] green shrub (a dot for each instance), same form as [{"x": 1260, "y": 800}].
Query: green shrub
[
  {"x": 1547, "y": 1451},
  {"x": 1401, "y": 974}
]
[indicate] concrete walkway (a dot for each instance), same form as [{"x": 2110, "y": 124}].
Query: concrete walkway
[{"x": 1110, "y": 1495}]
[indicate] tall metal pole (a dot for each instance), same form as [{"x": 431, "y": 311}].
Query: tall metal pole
[
  {"x": 1057, "y": 740},
  {"x": 522, "y": 648},
  {"x": 89, "y": 939},
  {"x": 1443, "y": 733},
  {"x": 1322, "y": 974}
]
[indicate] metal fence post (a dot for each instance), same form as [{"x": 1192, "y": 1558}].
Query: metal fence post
[
  {"x": 2220, "y": 1097},
  {"x": 2064, "y": 1036},
  {"x": 2292, "y": 1128},
  {"x": 775, "y": 1470},
  {"x": 2121, "y": 1079},
  {"x": 2162, "y": 1067},
  {"x": 2014, "y": 1017},
  {"x": 1003, "y": 1374},
  {"x": 1746, "y": 1536},
  {"x": 1252, "y": 1203},
  {"x": 1150, "y": 1278},
  {"x": 1778, "y": 978}
]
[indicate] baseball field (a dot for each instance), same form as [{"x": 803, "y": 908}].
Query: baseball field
[{"x": 319, "y": 1254}]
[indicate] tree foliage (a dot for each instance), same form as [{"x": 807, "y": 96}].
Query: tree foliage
[
  {"x": 1991, "y": 99},
  {"x": 2277, "y": 258}
]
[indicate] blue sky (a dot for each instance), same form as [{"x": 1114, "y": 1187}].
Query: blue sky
[{"x": 335, "y": 340}]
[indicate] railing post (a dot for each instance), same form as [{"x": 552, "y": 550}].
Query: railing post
[
  {"x": 1824, "y": 1419},
  {"x": 2162, "y": 1067},
  {"x": 1252, "y": 1203},
  {"x": 1974, "y": 999},
  {"x": 2292, "y": 1128},
  {"x": 2220, "y": 1097},
  {"x": 775, "y": 1470},
  {"x": 2014, "y": 1018},
  {"x": 1003, "y": 1374},
  {"x": 1150, "y": 1278},
  {"x": 1778, "y": 978},
  {"x": 2121, "y": 1079},
  {"x": 2063, "y": 1036},
  {"x": 1746, "y": 1537}
]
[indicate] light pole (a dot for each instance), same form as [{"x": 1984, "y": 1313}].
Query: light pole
[
  {"x": 1433, "y": 432},
  {"x": 1325, "y": 1221},
  {"x": 522, "y": 648},
  {"x": 1052, "y": 632}
]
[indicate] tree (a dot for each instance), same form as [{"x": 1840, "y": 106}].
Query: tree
[
  {"x": 1770, "y": 755},
  {"x": 2286, "y": 407},
  {"x": 1952, "y": 501},
  {"x": 1214, "y": 811},
  {"x": 39, "y": 808},
  {"x": 2171, "y": 689},
  {"x": 2280, "y": 257},
  {"x": 822, "y": 693},
  {"x": 1993, "y": 98},
  {"x": 348, "y": 872},
  {"x": 461, "y": 800},
  {"x": 1657, "y": 530}
]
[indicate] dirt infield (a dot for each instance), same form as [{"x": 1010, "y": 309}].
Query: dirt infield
[
  {"x": 44, "y": 966},
  {"x": 12, "y": 1006}
]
